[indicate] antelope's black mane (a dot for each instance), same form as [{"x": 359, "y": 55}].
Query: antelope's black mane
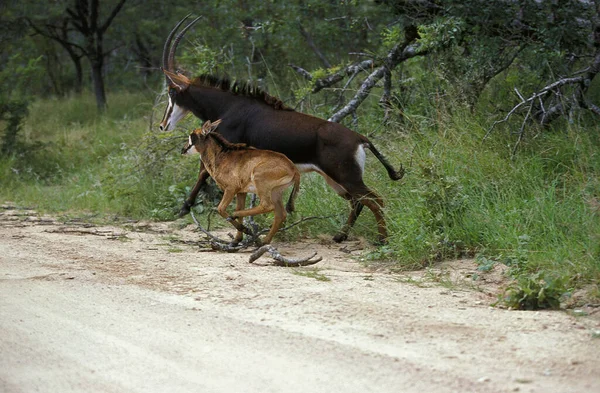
[
  {"x": 240, "y": 88},
  {"x": 226, "y": 145}
]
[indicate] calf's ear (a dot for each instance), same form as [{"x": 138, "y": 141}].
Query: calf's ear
[{"x": 209, "y": 126}]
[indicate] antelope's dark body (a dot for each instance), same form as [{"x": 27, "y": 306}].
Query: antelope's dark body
[{"x": 253, "y": 117}]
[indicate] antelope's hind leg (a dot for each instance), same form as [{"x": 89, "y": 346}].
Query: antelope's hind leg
[
  {"x": 364, "y": 196},
  {"x": 359, "y": 196},
  {"x": 355, "y": 208}
]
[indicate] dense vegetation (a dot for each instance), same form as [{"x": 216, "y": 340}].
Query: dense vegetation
[{"x": 491, "y": 107}]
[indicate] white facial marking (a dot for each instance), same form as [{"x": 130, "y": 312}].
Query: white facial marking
[
  {"x": 177, "y": 114},
  {"x": 191, "y": 148},
  {"x": 173, "y": 114}
]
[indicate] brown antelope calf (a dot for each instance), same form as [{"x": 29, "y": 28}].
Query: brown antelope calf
[{"x": 239, "y": 169}]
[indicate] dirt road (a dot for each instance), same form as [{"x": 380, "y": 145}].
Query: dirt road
[{"x": 140, "y": 309}]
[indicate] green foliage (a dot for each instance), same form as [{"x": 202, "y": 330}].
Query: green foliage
[
  {"x": 441, "y": 33},
  {"x": 534, "y": 292},
  {"x": 16, "y": 76},
  {"x": 204, "y": 60},
  {"x": 19, "y": 76},
  {"x": 13, "y": 113},
  {"x": 391, "y": 36}
]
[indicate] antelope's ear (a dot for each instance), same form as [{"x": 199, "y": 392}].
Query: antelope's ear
[{"x": 178, "y": 81}]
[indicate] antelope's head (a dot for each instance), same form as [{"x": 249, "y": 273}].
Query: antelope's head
[
  {"x": 198, "y": 136},
  {"x": 177, "y": 83}
]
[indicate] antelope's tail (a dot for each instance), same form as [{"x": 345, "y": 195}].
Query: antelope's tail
[{"x": 394, "y": 174}]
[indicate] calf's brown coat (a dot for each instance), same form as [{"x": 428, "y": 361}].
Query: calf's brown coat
[{"x": 239, "y": 169}]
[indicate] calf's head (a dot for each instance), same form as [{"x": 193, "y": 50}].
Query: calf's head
[{"x": 198, "y": 137}]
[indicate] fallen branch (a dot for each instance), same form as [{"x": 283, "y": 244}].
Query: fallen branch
[
  {"x": 252, "y": 239},
  {"x": 280, "y": 260}
]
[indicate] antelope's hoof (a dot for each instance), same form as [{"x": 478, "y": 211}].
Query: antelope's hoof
[
  {"x": 340, "y": 237},
  {"x": 185, "y": 210}
]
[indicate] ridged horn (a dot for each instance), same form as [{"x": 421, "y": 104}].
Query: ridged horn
[
  {"x": 165, "y": 56},
  {"x": 171, "y": 59}
]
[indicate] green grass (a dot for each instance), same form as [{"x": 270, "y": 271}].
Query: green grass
[{"x": 538, "y": 212}]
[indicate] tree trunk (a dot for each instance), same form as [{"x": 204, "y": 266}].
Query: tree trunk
[
  {"x": 78, "y": 76},
  {"x": 98, "y": 81}
]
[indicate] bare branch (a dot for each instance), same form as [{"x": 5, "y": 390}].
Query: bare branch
[
  {"x": 305, "y": 74},
  {"x": 334, "y": 78},
  {"x": 385, "y": 99},
  {"x": 592, "y": 107},
  {"x": 396, "y": 56},
  {"x": 360, "y": 96},
  {"x": 536, "y": 96},
  {"x": 313, "y": 46},
  {"x": 522, "y": 130},
  {"x": 280, "y": 260},
  {"x": 112, "y": 15}
]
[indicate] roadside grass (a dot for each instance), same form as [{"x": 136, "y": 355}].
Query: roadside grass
[{"x": 537, "y": 212}]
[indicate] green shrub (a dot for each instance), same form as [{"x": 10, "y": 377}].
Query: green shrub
[{"x": 535, "y": 292}]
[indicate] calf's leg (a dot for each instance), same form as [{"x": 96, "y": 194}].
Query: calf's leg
[
  {"x": 279, "y": 213},
  {"x": 240, "y": 204},
  {"x": 228, "y": 196}
]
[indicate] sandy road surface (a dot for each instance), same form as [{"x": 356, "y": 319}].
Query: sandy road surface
[{"x": 137, "y": 309}]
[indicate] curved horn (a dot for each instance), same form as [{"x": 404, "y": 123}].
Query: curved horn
[
  {"x": 165, "y": 56},
  {"x": 171, "y": 59}
]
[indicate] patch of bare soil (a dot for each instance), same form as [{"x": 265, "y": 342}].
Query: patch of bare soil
[{"x": 141, "y": 308}]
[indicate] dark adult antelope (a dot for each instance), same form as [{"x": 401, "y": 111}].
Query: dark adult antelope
[
  {"x": 239, "y": 169},
  {"x": 253, "y": 117}
]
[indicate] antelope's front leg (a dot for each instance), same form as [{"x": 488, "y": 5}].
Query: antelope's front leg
[{"x": 189, "y": 202}]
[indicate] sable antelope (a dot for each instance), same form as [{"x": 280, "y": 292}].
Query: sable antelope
[
  {"x": 253, "y": 117},
  {"x": 239, "y": 169}
]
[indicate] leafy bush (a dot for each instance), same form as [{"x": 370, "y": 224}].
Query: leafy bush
[{"x": 534, "y": 292}]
